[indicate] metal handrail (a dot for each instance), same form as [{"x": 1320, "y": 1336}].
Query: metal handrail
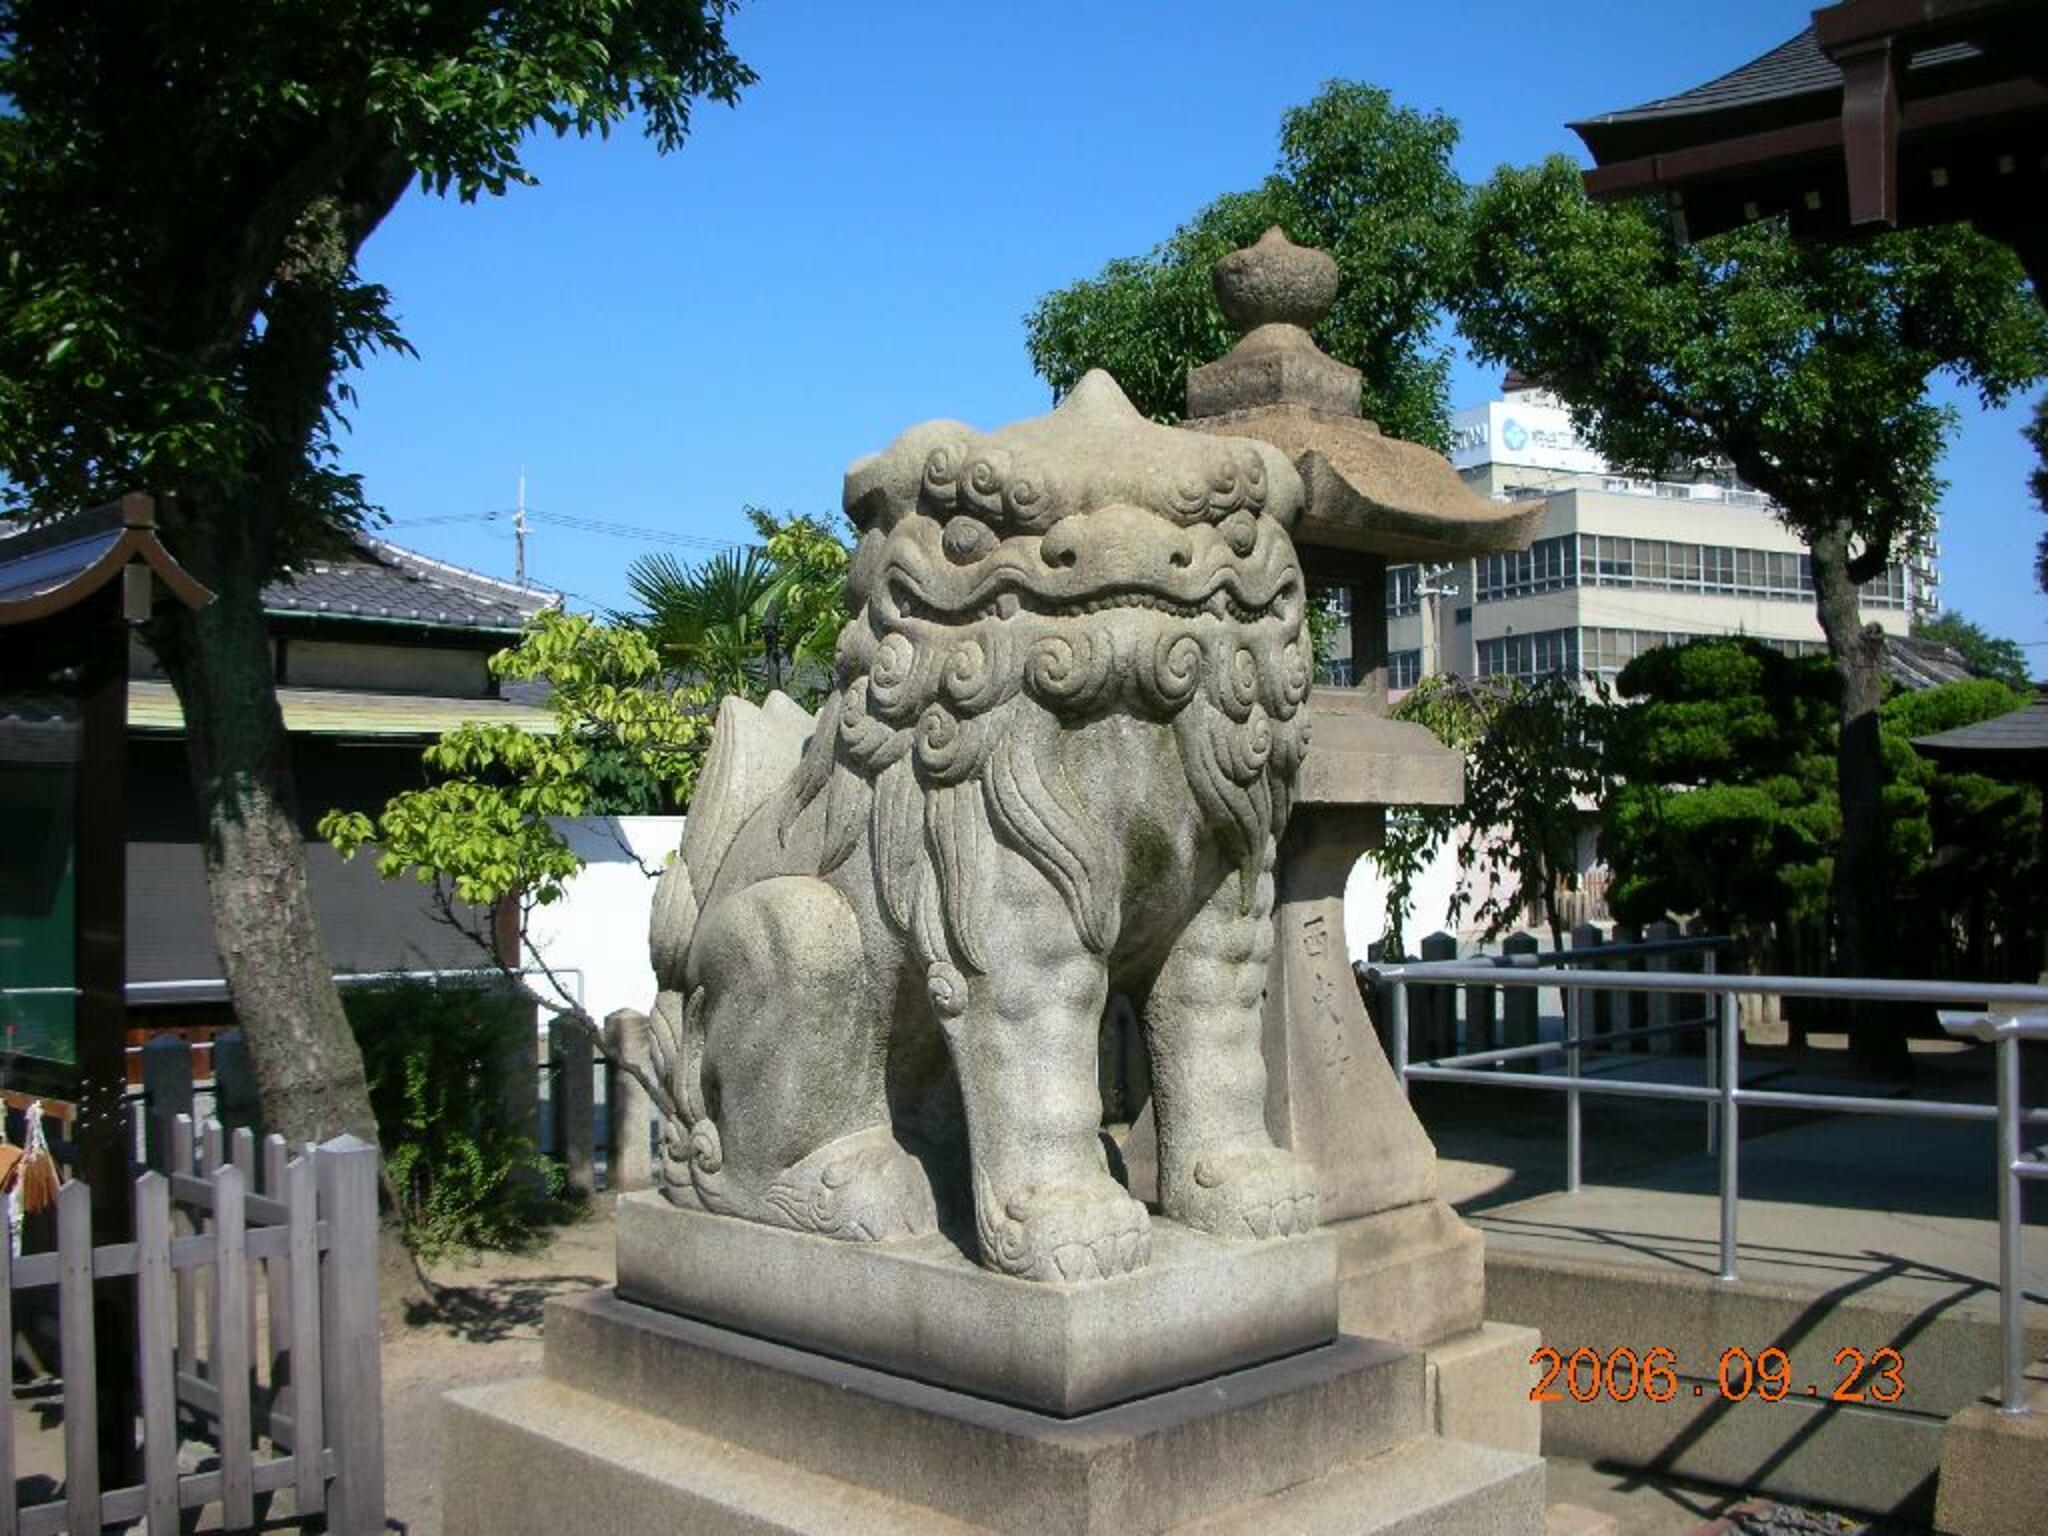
[
  {"x": 2012, "y": 1020},
  {"x": 2014, "y": 1167}
]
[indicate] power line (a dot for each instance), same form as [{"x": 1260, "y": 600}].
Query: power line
[
  {"x": 614, "y": 530},
  {"x": 578, "y": 523}
]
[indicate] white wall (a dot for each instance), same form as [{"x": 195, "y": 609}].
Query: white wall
[
  {"x": 600, "y": 926},
  {"x": 1366, "y": 901}
]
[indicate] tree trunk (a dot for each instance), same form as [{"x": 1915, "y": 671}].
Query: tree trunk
[
  {"x": 309, "y": 1071},
  {"x": 1862, "y": 913}
]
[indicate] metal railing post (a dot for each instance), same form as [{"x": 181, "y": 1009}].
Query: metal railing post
[
  {"x": 2013, "y": 1390},
  {"x": 1397, "y": 1031},
  {"x": 1729, "y": 1047},
  {"x": 1573, "y": 1128}
]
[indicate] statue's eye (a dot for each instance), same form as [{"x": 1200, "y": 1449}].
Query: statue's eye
[{"x": 967, "y": 539}]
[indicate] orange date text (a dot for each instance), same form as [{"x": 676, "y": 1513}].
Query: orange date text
[{"x": 1625, "y": 1375}]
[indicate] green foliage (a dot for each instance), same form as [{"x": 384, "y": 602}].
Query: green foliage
[
  {"x": 1369, "y": 182},
  {"x": 183, "y": 191},
  {"x": 1323, "y": 624},
  {"x": 1724, "y": 806},
  {"x": 626, "y": 739},
  {"x": 439, "y": 1058},
  {"x": 1962, "y": 843},
  {"x": 1985, "y": 654},
  {"x": 1724, "y": 803},
  {"x": 1534, "y": 770},
  {"x": 710, "y": 622}
]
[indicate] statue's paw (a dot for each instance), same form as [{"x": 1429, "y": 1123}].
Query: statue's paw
[
  {"x": 862, "y": 1189},
  {"x": 1063, "y": 1232},
  {"x": 1245, "y": 1193}
]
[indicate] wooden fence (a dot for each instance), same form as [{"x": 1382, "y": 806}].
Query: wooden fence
[{"x": 255, "y": 1303}]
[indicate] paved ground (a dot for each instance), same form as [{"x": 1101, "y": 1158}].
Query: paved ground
[{"x": 483, "y": 1325}]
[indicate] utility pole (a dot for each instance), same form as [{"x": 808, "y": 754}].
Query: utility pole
[
  {"x": 1429, "y": 586},
  {"x": 519, "y": 532}
]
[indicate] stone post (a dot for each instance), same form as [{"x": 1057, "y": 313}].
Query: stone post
[
  {"x": 1657, "y": 1006},
  {"x": 1433, "y": 1010},
  {"x": 1625, "y": 1009},
  {"x": 521, "y": 1087},
  {"x": 166, "y": 1092},
  {"x": 1520, "y": 1005},
  {"x": 1482, "y": 1017},
  {"x": 235, "y": 1100},
  {"x": 574, "y": 1060},
  {"x": 631, "y": 1116},
  {"x": 1582, "y": 1011}
]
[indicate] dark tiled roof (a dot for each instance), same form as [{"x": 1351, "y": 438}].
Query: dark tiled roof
[
  {"x": 1914, "y": 664},
  {"x": 383, "y": 581},
  {"x": 2014, "y": 744},
  {"x": 1796, "y": 67}
]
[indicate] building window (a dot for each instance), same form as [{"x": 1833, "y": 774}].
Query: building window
[
  {"x": 1528, "y": 657},
  {"x": 1611, "y": 560},
  {"x": 1402, "y": 598},
  {"x": 1548, "y": 565},
  {"x": 1404, "y": 668},
  {"x": 1605, "y": 652},
  {"x": 1886, "y": 591}
]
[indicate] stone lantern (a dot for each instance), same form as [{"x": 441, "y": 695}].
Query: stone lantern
[{"x": 1409, "y": 1269}]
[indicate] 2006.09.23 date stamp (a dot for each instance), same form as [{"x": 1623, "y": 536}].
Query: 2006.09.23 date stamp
[{"x": 1622, "y": 1375}]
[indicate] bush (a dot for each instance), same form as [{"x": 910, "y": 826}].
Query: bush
[{"x": 439, "y": 1058}]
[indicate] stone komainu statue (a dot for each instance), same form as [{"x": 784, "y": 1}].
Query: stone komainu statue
[{"x": 1069, "y": 712}]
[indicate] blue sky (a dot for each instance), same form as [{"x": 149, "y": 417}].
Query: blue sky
[{"x": 660, "y": 341}]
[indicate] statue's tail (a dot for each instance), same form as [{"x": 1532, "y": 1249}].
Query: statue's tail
[{"x": 754, "y": 750}]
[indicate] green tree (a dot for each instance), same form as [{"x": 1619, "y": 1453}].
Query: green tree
[
  {"x": 627, "y": 739},
  {"x": 1724, "y": 805},
  {"x": 1985, "y": 654},
  {"x": 1534, "y": 771},
  {"x": 1723, "y": 801},
  {"x": 713, "y": 621},
  {"x": 184, "y": 191},
  {"x": 1368, "y": 181},
  {"x": 1963, "y": 848},
  {"x": 1803, "y": 364}
]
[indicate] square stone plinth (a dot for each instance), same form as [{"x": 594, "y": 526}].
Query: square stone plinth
[
  {"x": 924, "y": 1310},
  {"x": 650, "y": 1424}
]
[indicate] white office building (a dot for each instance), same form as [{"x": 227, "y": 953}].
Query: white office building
[{"x": 1621, "y": 564}]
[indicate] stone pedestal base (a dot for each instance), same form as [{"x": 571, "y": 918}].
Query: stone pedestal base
[
  {"x": 1415, "y": 1274},
  {"x": 924, "y": 1309},
  {"x": 1479, "y": 1388},
  {"x": 647, "y": 1423}
]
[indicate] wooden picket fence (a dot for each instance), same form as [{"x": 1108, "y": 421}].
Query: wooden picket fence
[{"x": 255, "y": 1305}]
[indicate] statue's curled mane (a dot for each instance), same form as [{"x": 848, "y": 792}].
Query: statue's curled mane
[{"x": 939, "y": 735}]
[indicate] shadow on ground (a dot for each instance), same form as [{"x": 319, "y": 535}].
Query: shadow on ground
[{"x": 497, "y": 1309}]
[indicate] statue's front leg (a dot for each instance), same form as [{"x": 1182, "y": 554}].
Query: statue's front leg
[
  {"x": 1023, "y": 1039},
  {"x": 1219, "y": 1170}
]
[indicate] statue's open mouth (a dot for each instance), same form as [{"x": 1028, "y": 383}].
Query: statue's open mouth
[{"x": 1008, "y": 604}]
